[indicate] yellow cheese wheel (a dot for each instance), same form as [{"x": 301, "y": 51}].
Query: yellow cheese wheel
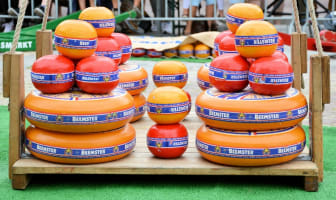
[
  {"x": 247, "y": 110},
  {"x": 186, "y": 50},
  {"x": 133, "y": 78},
  {"x": 250, "y": 148},
  {"x": 170, "y": 53},
  {"x": 170, "y": 73},
  {"x": 140, "y": 107},
  {"x": 202, "y": 51},
  {"x": 75, "y": 148},
  {"x": 77, "y": 112},
  {"x": 203, "y": 80}
]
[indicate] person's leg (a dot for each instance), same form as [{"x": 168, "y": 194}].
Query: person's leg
[
  {"x": 82, "y": 4},
  {"x": 92, "y": 3},
  {"x": 220, "y": 7},
  {"x": 187, "y": 29},
  {"x": 186, "y": 5},
  {"x": 209, "y": 12},
  {"x": 39, "y": 10}
]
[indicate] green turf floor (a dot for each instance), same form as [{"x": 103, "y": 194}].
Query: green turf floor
[{"x": 61, "y": 187}]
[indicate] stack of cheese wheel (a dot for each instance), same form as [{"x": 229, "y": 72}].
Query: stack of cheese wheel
[
  {"x": 87, "y": 123},
  {"x": 134, "y": 79},
  {"x": 255, "y": 126}
]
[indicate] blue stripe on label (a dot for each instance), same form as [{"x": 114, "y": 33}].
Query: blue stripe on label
[
  {"x": 280, "y": 48},
  {"x": 216, "y": 46},
  {"x": 126, "y": 49},
  {"x": 168, "y": 108},
  {"x": 79, "y": 119},
  {"x": 154, "y": 53},
  {"x": 203, "y": 84},
  {"x": 261, "y": 40},
  {"x": 52, "y": 78},
  {"x": 177, "y": 78},
  {"x": 250, "y": 133},
  {"x": 167, "y": 142},
  {"x": 221, "y": 52},
  {"x": 228, "y": 75},
  {"x": 173, "y": 51},
  {"x": 75, "y": 43},
  {"x": 80, "y": 153},
  {"x": 140, "y": 110},
  {"x": 111, "y": 54},
  {"x": 234, "y": 20},
  {"x": 251, "y": 117},
  {"x": 250, "y": 153},
  {"x": 186, "y": 52},
  {"x": 134, "y": 85},
  {"x": 276, "y": 79},
  {"x": 104, "y": 77},
  {"x": 202, "y": 52},
  {"x": 139, "y": 51},
  {"x": 102, "y": 23}
]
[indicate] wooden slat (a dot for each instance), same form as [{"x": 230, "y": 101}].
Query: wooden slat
[
  {"x": 6, "y": 74},
  {"x": 303, "y": 52},
  {"x": 20, "y": 181},
  {"x": 325, "y": 79},
  {"x": 43, "y": 43},
  {"x": 296, "y": 59}
]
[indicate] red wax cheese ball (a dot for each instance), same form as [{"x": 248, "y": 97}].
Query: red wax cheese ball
[
  {"x": 227, "y": 45},
  {"x": 229, "y": 73},
  {"x": 152, "y": 53},
  {"x": 53, "y": 74},
  {"x": 138, "y": 52},
  {"x": 170, "y": 73},
  {"x": 279, "y": 54},
  {"x": 109, "y": 47},
  {"x": 281, "y": 44},
  {"x": 219, "y": 38},
  {"x": 167, "y": 141},
  {"x": 97, "y": 74},
  {"x": 270, "y": 76},
  {"x": 126, "y": 46}
]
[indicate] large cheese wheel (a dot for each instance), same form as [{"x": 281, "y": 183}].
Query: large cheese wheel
[
  {"x": 203, "y": 80},
  {"x": 246, "y": 148},
  {"x": 75, "y": 148},
  {"x": 170, "y": 73},
  {"x": 247, "y": 110},
  {"x": 140, "y": 107},
  {"x": 133, "y": 78},
  {"x": 77, "y": 112}
]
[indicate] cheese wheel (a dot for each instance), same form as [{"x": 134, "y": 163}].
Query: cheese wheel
[
  {"x": 202, "y": 51},
  {"x": 152, "y": 53},
  {"x": 250, "y": 148},
  {"x": 281, "y": 46},
  {"x": 203, "y": 80},
  {"x": 109, "y": 47},
  {"x": 167, "y": 105},
  {"x": 77, "y": 112},
  {"x": 170, "y": 53},
  {"x": 170, "y": 73},
  {"x": 140, "y": 107},
  {"x": 219, "y": 37},
  {"x": 227, "y": 45},
  {"x": 247, "y": 110},
  {"x": 186, "y": 50},
  {"x": 133, "y": 78},
  {"x": 126, "y": 45},
  {"x": 75, "y": 148},
  {"x": 138, "y": 52}
]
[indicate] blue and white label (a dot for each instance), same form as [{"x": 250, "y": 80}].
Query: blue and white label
[
  {"x": 140, "y": 110},
  {"x": 126, "y": 49},
  {"x": 250, "y": 133},
  {"x": 280, "y": 48},
  {"x": 172, "y": 51},
  {"x": 234, "y": 20},
  {"x": 168, "y": 108},
  {"x": 72, "y": 43},
  {"x": 111, "y": 54},
  {"x": 80, "y": 153},
  {"x": 167, "y": 142},
  {"x": 271, "y": 117},
  {"x": 154, "y": 53},
  {"x": 71, "y": 119},
  {"x": 203, "y": 84},
  {"x": 257, "y": 40},
  {"x": 202, "y": 52},
  {"x": 139, "y": 51},
  {"x": 103, "y": 77},
  {"x": 52, "y": 78},
  {"x": 216, "y": 46},
  {"x": 176, "y": 78},
  {"x": 250, "y": 153},
  {"x": 273, "y": 79},
  {"x": 186, "y": 52},
  {"x": 221, "y": 52},
  {"x": 228, "y": 75},
  {"x": 134, "y": 85},
  {"x": 102, "y": 23}
]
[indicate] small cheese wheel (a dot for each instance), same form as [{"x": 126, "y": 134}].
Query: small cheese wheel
[
  {"x": 126, "y": 46},
  {"x": 152, "y": 53},
  {"x": 167, "y": 105},
  {"x": 75, "y": 148},
  {"x": 218, "y": 38},
  {"x": 140, "y": 107},
  {"x": 227, "y": 45},
  {"x": 186, "y": 50},
  {"x": 77, "y": 112},
  {"x": 109, "y": 47},
  {"x": 133, "y": 78},
  {"x": 101, "y": 18},
  {"x": 256, "y": 39},
  {"x": 281, "y": 46},
  {"x": 202, "y": 51},
  {"x": 247, "y": 110},
  {"x": 250, "y": 148},
  {"x": 170, "y": 73},
  {"x": 170, "y": 53},
  {"x": 53, "y": 74},
  {"x": 279, "y": 54},
  {"x": 138, "y": 52},
  {"x": 203, "y": 80}
]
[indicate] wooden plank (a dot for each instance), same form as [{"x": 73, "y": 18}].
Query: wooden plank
[
  {"x": 296, "y": 59},
  {"x": 20, "y": 181},
  {"x": 43, "y": 43},
  {"x": 325, "y": 79},
  {"x": 16, "y": 124},
  {"x": 6, "y": 73},
  {"x": 311, "y": 183},
  {"x": 303, "y": 52},
  {"x": 315, "y": 111}
]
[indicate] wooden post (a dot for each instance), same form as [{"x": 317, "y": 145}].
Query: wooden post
[
  {"x": 325, "y": 79},
  {"x": 315, "y": 112},
  {"x": 303, "y": 52},
  {"x": 43, "y": 43},
  {"x": 16, "y": 124},
  {"x": 7, "y": 63},
  {"x": 296, "y": 59}
]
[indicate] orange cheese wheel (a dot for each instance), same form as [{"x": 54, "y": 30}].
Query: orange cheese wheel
[
  {"x": 202, "y": 51},
  {"x": 140, "y": 107},
  {"x": 247, "y": 110},
  {"x": 133, "y": 78},
  {"x": 186, "y": 50},
  {"x": 170, "y": 73},
  {"x": 77, "y": 112},
  {"x": 250, "y": 148},
  {"x": 203, "y": 80},
  {"x": 74, "y": 148},
  {"x": 170, "y": 53},
  {"x": 167, "y": 105},
  {"x": 256, "y": 39}
]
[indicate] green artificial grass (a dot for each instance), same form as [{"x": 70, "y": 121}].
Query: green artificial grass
[{"x": 97, "y": 187}]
